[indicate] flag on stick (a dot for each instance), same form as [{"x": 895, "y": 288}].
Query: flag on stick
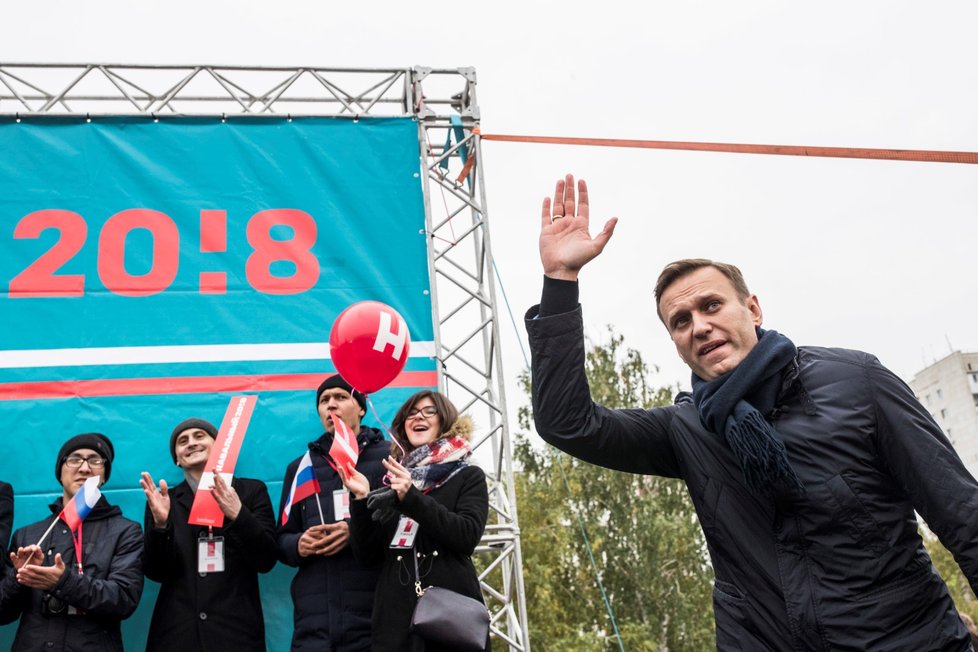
[
  {"x": 344, "y": 449},
  {"x": 83, "y": 502},
  {"x": 304, "y": 484},
  {"x": 78, "y": 508}
]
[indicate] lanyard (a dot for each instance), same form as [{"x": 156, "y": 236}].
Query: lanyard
[
  {"x": 330, "y": 462},
  {"x": 77, "y": 540}
]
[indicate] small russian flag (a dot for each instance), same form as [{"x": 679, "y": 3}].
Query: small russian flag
[
  {"x": 83, "y": 502},
  {"x": 304, "y": 484}
]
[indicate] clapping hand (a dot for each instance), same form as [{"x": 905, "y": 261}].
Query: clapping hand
[
  {"x": 158, "y": 501},
  {"x": 44, "y": 578},
  {"x": 226, "y": 497},
  {"x": 27, "y": 555}
]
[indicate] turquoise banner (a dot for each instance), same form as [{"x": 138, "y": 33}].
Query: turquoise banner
[{"x": 152, "y": 269}]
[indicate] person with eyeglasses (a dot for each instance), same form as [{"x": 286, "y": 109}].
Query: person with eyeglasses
[
  {"x": 209, "y": 596},
  {"x": 433, "y": 509},
  {"x": 73, "y": 591},
  {"x": 332, "y": 593}
]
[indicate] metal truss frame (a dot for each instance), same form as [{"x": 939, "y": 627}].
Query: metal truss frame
[{"x": 464, "y": 306}]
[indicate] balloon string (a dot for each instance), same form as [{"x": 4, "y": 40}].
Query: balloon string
[{"x": 384, "y": 425}]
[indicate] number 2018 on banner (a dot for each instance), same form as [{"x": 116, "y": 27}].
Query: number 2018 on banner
[{"x": 41, "y": 278}]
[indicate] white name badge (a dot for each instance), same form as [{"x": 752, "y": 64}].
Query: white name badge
[
  {"x": 407, "y": 529},
  {"x": 210, "y": 555},
  {"x": 341, "y": 504}
]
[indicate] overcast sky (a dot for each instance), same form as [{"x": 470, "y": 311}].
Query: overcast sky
[{"x": 878, "y": 256}]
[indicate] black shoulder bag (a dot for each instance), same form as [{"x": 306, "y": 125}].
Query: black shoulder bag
[{"x": 448, "y": 618}]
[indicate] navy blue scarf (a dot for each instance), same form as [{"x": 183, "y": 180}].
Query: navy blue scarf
[{"x": 733, "y": 406}]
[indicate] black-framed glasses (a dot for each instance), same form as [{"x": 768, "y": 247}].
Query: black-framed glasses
[
  {"x": 426, "y": 411},
  {"x": 94, "y": 462}
]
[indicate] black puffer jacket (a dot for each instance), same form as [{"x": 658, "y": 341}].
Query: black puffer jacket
[
  {"x": 332, "y": 596},
  {"x": 840, "y": 568},
  {"x": 108, "y": 591}
]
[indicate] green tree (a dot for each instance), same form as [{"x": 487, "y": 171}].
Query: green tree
[
  {"x": 642, "y": 532},
  {"x": 957, "y": 583}
]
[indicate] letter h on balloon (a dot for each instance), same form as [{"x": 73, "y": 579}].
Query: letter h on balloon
[
  {"x": 358, "y": 345},
  {"x": 385, "y": 336}
]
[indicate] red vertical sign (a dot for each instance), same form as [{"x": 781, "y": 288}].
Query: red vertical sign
[{"x": 224, "y": 454}]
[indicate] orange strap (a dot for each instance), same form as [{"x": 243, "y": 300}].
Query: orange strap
[
  {"x": 783, "y": 150},
  {"x": 467, "y": 167}
]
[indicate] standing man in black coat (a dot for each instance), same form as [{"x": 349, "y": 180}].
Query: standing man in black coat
[
  {"x": 6, "y": 519},
  {"x": 72, "y": 593},
  {"x": 805, "y": 464},
  {"x": 210, "y": 610},
  {"x": 332, "y": 593}
]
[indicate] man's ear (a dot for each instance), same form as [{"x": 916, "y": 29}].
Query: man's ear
[{"x": 755, "y": 309}]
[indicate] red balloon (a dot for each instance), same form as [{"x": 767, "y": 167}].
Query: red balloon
[{"x": 369, "y": 345}]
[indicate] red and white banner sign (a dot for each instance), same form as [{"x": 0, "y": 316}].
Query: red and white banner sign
[
  {"x": 224, "y": 454},
  {"x": 344, "y": 449}
]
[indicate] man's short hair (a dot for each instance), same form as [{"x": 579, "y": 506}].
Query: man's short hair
[{"x": 677, "y": 269}]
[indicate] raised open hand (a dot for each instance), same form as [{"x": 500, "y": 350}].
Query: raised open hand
[
  {"x": 566, "y": 244},
  {"x": 158, "y": 501},
  {"x": 400, "y": 477}
]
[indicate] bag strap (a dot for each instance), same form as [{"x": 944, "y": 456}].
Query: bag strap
[{"x": 417, "y": 573}]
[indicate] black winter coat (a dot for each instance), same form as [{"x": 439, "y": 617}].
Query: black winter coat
[
  {"x": 108, "y": 591},
  {"x": 6, "y": 521},
  {"x": 219, "y": 611},
  {"x": 841, "y": 567},
  {"x": 451, "y": 520},
  {"x": 332, "y": 596}
]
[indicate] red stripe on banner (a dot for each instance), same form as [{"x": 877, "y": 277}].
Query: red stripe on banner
[{"x": 186, "y": 385}]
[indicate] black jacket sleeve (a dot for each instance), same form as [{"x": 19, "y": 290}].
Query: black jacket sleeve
[
  {"x": 633, "y": 440},
  {"x": 919, "y": 456},
  {"x": 254, "y": 528},
  {"x": 458, "y": 530},
  {"x": 367, "y": 537},
  {"x": 287, "y": 536},
  {"x": 159, "y": 552},
  {"x": 14, "y": 598},
  {"x": 6, "y": 520}
]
